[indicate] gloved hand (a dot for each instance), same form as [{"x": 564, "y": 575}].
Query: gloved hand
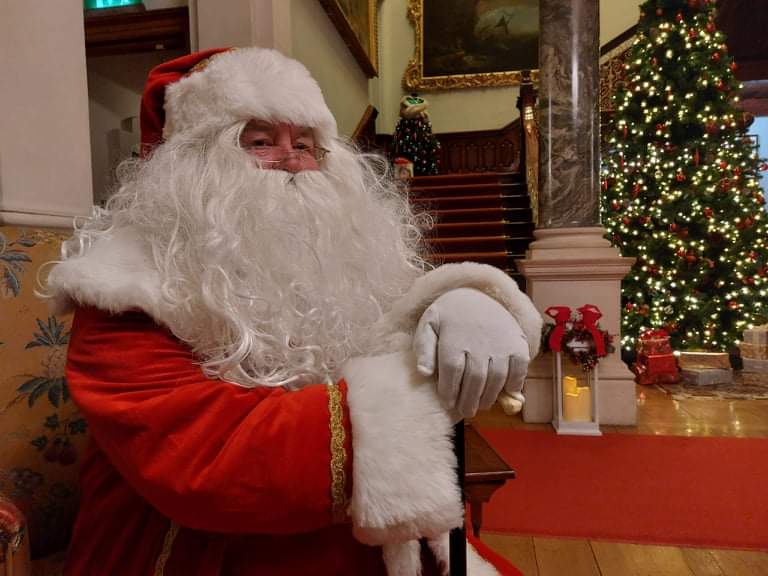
[{"x": 476, "y": 346}]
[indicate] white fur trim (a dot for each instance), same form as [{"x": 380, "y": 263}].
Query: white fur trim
[
  {"x": 405, "y": 313},
  {"x": 404, "y": 480},
  {"x": 476, "y": 564},
  {"x": 247, "y": 83},
  {"x": 403, "y": 559},
  {"x": 116, "y": 274}
]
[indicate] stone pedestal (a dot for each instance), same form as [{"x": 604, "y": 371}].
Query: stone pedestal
[{"x": 573, "y": 267}]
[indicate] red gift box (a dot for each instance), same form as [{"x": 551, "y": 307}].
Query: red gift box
[{"x": 660, "y": 364}]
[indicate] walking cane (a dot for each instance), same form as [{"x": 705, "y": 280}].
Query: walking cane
[{"x": 458, "y": 538}]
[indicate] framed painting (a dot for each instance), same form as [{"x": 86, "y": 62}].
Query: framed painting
[
  {"x": 356, "y": 22},
  {"x": 472, "y": 43}
]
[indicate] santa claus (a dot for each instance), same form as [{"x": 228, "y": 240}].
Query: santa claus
[{"x": 269, "y": 367}]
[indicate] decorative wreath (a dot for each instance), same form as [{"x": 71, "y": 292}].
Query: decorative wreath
[{"x": 577, "y": 333}]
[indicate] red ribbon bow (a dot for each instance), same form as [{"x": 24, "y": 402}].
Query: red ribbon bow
[
  {"x": 590, "y": 314},
  {"x": 561, "y": 315}
]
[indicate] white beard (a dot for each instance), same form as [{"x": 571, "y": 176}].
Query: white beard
[{"x": 273, "y": 278}]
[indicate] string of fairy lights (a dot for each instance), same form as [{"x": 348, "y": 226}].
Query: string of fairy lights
[{"x": 680, "y": 185}]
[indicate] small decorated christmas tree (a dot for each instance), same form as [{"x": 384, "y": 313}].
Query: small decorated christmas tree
[
  {"x": 680, "y": 185},
  {"x": 413, "y": 138}
]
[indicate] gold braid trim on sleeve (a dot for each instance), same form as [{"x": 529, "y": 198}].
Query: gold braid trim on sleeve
[
  {"x": 338, "y": 455},
  {"x": 165, "y": 553}
]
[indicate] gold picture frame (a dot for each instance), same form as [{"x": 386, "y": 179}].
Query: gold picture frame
[
  {"x": 423, "y": 76},
  {"x": 356, "y": 22}
]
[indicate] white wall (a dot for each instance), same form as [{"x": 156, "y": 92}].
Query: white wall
[
  {"x": 317, "y": 44},
  {"x": 45, "y": 168},
  {"x": 616, "y": 16}
]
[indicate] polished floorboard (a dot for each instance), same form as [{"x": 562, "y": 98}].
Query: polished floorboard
[{"x": 658, "y": 413}]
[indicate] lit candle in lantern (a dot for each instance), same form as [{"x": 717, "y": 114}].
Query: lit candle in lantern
[{"x": 577, "y": 401}]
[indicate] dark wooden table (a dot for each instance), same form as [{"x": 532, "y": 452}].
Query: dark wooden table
[{"x": 485, "y": 473}]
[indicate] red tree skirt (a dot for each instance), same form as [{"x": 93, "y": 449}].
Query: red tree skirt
[{"x": 708, "y": 492}]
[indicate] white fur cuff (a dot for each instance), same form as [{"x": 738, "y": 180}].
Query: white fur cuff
[{"x": 404, "y": 477}]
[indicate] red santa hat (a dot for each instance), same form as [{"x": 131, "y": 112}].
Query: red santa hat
[{"x": 209, "y": 90}]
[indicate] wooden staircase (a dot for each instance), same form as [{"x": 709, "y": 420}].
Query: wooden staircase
[{"x": 483, "y": 217}]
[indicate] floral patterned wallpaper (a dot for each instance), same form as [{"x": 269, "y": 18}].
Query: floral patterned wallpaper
[{"x": 42, "y": 434}]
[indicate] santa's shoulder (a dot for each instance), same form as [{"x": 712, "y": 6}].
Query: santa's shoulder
[{"x": 115, "y": 273}]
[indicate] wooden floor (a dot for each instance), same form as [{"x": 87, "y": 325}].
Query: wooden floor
[{"x": 657, "y": 413}]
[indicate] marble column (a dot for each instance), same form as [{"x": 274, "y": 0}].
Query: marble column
[
  {"x": 569, "y": 94},
  {"x": 571, "y": 263}
]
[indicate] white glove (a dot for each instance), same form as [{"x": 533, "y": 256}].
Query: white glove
[{"x": 477, "y": 347}]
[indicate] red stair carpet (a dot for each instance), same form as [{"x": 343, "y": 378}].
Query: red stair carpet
[{"x": 707, "y": 492}]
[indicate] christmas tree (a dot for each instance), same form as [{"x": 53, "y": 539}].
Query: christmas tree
[
  {"x": 413, "y": 138},
  {"x": 680, "y": 184}
]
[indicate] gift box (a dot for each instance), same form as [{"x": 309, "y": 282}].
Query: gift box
[
  {"x": 757, "y": 336},
  {"x": 753, "y": 351},
  {"x": 755, "y": 365},
  {"x": 660, "y": 364},
  {"x": 704, "y": 360},
  {"x": 706, "y": 376},
  {"x": 654, "y": 342}
]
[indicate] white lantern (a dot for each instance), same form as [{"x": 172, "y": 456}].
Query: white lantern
[{"x": 575, "y": 397}]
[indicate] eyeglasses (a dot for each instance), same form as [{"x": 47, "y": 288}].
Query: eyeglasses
[{"x": 277, "y": 154}]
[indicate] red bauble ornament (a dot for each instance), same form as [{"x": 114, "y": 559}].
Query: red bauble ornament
[
  {"x": 733, "y": 66},
  {"x": 710, "y": 27},
  {"x": 710, "y": 263},
  {"x": 693, "y": 4},
  {"x": 659, "y": 11},
  {"x": 683, "y": 233},
  {"x": 733, "y": 305},
  {"x": 654, "y": 61},
  {"x": 679, "y": 17},
  {"x": 749, "y": 280},
  {"x": 723, "y": 165},
  {"x": 681, "y": 253},
  {"x": 690, "y": 258},
  {"x": 753, "y": 256},
  {"x": 680, "y": 177},
  {"x": 673, "y": 227},
  {"x": 749, "y": 222},
  {"x": 737, "y": 171},
  {"x": 760, "y": 198},
  {"x": 636, "y": 191},
  {"x": 725, "y": 184},
  {"x": 692, "y": 33},
  {"x": 707, "y": 213},
  {"x": 615, "y": 204},
  {"x": 720, "y": 85},
  {"x": 630, "y": 306},
  {"x": 626, "y": 221},
  {"x": 716, "y": 57},
  {"x": 659, "y": 127}
]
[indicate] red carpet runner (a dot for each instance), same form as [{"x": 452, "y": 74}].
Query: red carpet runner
[{"x": 708, "y": 492}]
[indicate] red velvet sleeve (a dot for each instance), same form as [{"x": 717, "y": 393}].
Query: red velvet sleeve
[{"x": 210, "y": 455}]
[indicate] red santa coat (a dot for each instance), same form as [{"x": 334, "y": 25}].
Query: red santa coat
[{"x": 189, "y": 475}]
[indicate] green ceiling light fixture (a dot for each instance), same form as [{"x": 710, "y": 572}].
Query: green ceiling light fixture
[{"x": 102, "y": 4}]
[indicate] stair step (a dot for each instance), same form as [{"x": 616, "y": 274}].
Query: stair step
[
  {"x": 470, "y": 177},
  {"x": 482, "y": 214},
  {"x": 486, "y": 201},
  {"x": 512, "y": 189},
  {"x": 480, "y": 243},
  {"x": 496, "y": 227}
]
